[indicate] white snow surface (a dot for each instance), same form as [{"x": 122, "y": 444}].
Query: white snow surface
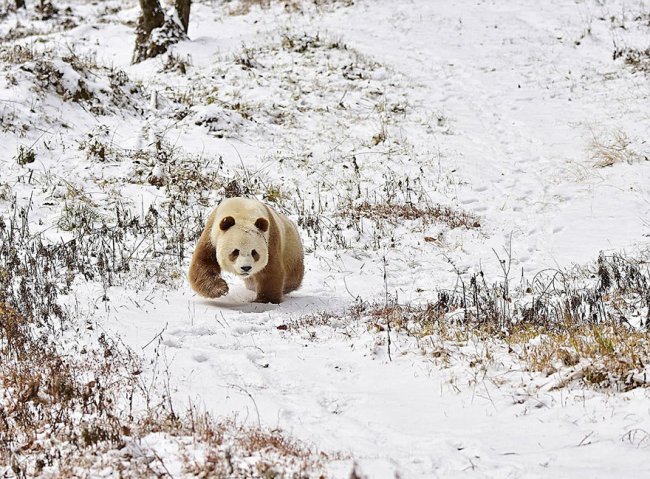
[{"x": 489, "y": 107}]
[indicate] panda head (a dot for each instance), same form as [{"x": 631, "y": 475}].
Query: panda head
[{"x": 242, "y": 248}]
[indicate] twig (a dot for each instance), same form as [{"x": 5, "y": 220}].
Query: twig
[
  {"x": 585, "y": 438},
  {"x": 257, "y": 411},
  {"x": 386, "y": 311},
  {"x": 156, "y": 336}
]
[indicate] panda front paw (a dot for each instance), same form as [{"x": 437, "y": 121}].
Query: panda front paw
[{"x": 217, "y": 289}]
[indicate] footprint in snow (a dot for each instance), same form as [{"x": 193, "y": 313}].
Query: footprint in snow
[
  {"x": 245, "y": 329},
  {"x": 243, "y": 307},
  {"x": 172, "y": 343},
  {"x": 257, "y": 358},
  {"x": 523, "y": 259},
  {"x": 332, "y": 404},
  {"x": 480, "y": 208},
  {"x": 199, "y": 330},
  {"x": 200, "y": 357}
]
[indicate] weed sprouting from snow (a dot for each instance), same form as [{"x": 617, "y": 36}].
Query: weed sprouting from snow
[
  {"x": 25, "y": 155},
  {"x": 5, "y": 191},
  {"x": 18, "y": 54},
  {"x": 616, "y": 147},
  {"x": 270, "y": 453},
  {"x": 637, "y": 59},
  {"x": 176, "y": 63}
]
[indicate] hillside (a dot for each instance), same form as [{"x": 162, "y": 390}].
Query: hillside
[{"x": 470, "y": 182}]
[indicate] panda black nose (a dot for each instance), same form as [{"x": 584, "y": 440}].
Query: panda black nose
[{"x": 246, "y": 268}]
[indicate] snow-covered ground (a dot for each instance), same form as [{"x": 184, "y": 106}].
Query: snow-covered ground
[{"x": 505, "y": 111}]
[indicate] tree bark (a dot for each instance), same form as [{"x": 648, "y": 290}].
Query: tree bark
[
  {"x": 156, "y": 32},
  {"x": 152, "y": 17},
  {"x": 183, "y": 9}
]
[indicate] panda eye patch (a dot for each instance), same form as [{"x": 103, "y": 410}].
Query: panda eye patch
[
  {"x": 234, "y": 254},
  {"x": 255, "y": 255}
]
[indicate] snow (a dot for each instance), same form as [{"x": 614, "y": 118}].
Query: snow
[{"x": 486, "y": 107}]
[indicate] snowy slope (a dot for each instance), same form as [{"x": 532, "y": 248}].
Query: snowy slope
[{"x": 499, "y": 111}]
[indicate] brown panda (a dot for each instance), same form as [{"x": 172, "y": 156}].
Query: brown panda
[{"x": 251, "y": 240}]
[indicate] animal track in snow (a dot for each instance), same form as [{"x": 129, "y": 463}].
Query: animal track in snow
[
  {"x": 200, "y": 357},
  {"x": 198, "y": 330},
  {"x": 172, "y": 343}
]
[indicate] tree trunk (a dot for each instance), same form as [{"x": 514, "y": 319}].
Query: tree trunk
[
  {"x": 183, "y": 9},
  {"x": 151, "y": 18}
]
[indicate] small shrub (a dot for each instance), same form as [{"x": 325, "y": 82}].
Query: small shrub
[
  {"x": 25, "y": 156},
  {"x": 176, "y": 63},
  {"x": 97, "y": 146},
  {"x": 5, "y": 191},
  {"x": 80, "y": 79},
  {"x": 273, "y": 194},
  {"x": 78, "y": 216},
  {"x": 45, "y": 10},
  {"x": 638, "y": 60}
]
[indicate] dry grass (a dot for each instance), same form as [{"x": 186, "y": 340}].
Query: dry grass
[
  {"x": 553, "y": 324},
  {"x": 638, "y": 60},
  {"x": 50, "y": 399},
  {"x": 395, "y": 213},
  {"x": 264, "y": 448},
  {"x": 61, "y": 414},
  {"x": 18, "y": 54},
  {"x": 610, "y": 149},
  {"x": 607, "y": 355}
]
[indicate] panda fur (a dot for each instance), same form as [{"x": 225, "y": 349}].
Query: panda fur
[{"x": 249, "y": 239}]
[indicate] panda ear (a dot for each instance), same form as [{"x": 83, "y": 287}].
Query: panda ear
[
  {"x": 262, "y": 224},
  {"x": 226, "y": 223}
]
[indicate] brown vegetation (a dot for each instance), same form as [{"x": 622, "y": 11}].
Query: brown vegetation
[{"x": 428, "y": 214}]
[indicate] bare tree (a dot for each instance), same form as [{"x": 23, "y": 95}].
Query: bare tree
[
  {"x": 156, "y": 32},
  {"x": 183, "y": 9}
]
